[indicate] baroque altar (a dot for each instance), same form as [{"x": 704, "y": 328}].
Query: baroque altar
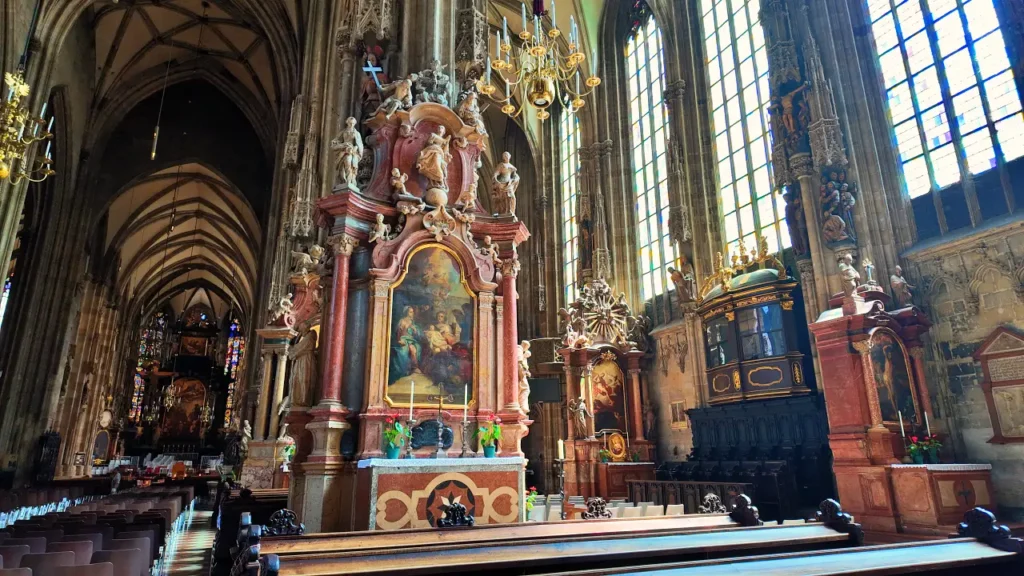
[{"x": 430, "y": 336}]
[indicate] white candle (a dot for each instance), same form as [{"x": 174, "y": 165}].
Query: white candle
[
  {"x": 487, "y": 75},
  {"x": 561, "y": 449},
  {"x": 412, "y": 397},
  {"x": 523, "y": 7},
  {"x": 554, "y": 22},
  {"x": 902, "y": 433},
  {"x": 504, "y": 26},
  {"x": 465, "y": 401},
  {"x": 536, "y": 25},
  {"x": 927, "y": 426}
]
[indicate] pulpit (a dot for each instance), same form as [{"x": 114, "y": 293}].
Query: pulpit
[{"x": 872, "y": 374}]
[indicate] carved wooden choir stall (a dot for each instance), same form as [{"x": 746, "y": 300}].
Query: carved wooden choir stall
[
  {"x": 420, "y": 334},
  {"x": 872, "y": 371}
]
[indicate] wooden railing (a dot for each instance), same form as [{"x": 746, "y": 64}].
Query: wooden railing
[{"x": 690, "y": 494}]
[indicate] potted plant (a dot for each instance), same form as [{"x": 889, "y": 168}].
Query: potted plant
[
  {"x": 395, "y": 434},
  {"x": 916, "y": 450},
  {"x": 490, "y": 436},
  {"x": 531, "y": 497},
  {"x": 931, "y": 448},
  {"x": 604, "y": 454}
]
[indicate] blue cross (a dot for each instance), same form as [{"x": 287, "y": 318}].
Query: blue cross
[{"x": 371, "y": 69}]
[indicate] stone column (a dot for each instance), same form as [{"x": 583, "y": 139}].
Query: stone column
[
  {"x": 259, "y": 431},
  {"x": 510, "y": 333},
  {"x": 279, "y": 382},
  {"x": 343, "y": 246},
  {"x": 634, "y": 408},
  {"x": 803, "y": 169}
]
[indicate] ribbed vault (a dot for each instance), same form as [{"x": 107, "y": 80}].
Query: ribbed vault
[{"x": 179, "y": 229}]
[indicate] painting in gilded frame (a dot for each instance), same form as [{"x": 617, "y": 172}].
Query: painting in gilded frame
[
  {"x": 608, "y": 387},
  {"x": 892, "y": 380},
  {"x": 430, "y": 355},
  {"x": 184, "y": 419}
]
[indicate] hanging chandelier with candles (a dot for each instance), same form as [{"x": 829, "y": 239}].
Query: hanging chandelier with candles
[
  {"x": 539, "y": 70},
  {"x": 19, "y": 131}
]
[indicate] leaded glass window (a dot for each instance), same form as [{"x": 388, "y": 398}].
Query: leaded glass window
[
  {"x": 952, "y": 99},
  {"x": 569, "y": 164},
  {"x": 235, "y": 350},
  {"x": 737, "y": 63},
  {"x": 649, "y": 137}
]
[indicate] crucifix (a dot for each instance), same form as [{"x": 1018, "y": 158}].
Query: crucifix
[{"x": 372, "y": 70}]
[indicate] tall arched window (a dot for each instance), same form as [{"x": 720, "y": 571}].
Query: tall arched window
[
  {"x": 235, "y": 350},
  {"x": 943, "y": 60},
  {"x": 649, "y": 136},
  {"x": 569, "y": 164},
  {"x": 151, "y": 344},
  {"x": 738, "y": 76}
]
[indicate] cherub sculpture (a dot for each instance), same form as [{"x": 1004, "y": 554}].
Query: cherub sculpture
[
  {"x": 398, "y": 180},
  {"x": 490, "y": 249},
  {"x": 348, "y": 149},
  {"x": 380, "y": 230},
  {"x": 467, "y": 198},
  {"x": 503, "y": 190}
]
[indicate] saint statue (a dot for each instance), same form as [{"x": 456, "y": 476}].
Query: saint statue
[
  {"x": 400, "y": 96},
  {"x": 796, "y": 220},
  {"x": 524, "y": 374},
  {"x": 304, "y": 262},
  {"x": 432, "y": 85},
  {"x": 469, "y": 111},
  {"x": 580, "y": 413},
  {"x": 433, "y": 160},
  {"x": 848, "y": 274},
  {"x": 303, "y": 369},
  {"x": 901, "y": 289},
  {"x": 683, "y": 278},
  {"x": 369, "y": 95},
  {"x": 503, "y": 190},
  {"x": 246, "y": 436},
  {"x": 783, "y": 106},
  {"x": 348, "y": 147}
]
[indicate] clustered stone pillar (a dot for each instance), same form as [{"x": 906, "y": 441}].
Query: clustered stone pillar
[
  {"x": 279, "y": 382},
  {"x": 259, "y": 432}
]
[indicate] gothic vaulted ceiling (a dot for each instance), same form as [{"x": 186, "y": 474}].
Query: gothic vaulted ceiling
[
  {"x": 179, "y": 229},
  {"x": 136, "y": 36}
]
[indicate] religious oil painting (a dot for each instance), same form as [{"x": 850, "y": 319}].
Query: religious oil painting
[
  {"x": 431, "y": 339},
  {"x": 184, "y": 419},
  {"x": 1009, "y": 402},
  {"x": 609, "y": 392},
  {"x": 892, "y": 380}
]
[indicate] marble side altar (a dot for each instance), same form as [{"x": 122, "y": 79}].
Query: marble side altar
[
  {"x": 412, "y": 493},
  {"x": 933, "y": 498}
]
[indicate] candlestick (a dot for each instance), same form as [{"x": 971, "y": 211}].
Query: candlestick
[
  {"x": 412, "y": 396},
  {"x": 561, "y": 449},
  {"x": 523, "y": 8},
  {"x": 408, "y": 441},
  {"x": 561, "y": 482},
  {"x": 902, "y": 433},
  {"x": 927, "y": 426},
  {"x": 465, "y": 438},
  {"x": 465, "y": 401}
]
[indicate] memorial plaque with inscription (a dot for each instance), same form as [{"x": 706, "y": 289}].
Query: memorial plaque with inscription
[{"x": 1002, "y": 359}]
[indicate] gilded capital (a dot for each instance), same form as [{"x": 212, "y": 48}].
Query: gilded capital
[{"x": 343, "y": 244}]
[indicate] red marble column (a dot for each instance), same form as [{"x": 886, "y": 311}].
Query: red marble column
[
  {"x": 510, "y": 332},
  {"x": 330, "y": 391},
  {"x": 636, "y": 414}
]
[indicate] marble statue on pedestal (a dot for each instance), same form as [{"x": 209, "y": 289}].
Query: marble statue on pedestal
[
  {"x": 503, "y": 191},
  {"x": 901, "y": 289},
  {"x": 348, "y": 147},
  {"x": 848, "y": 274},
  {"x": 524, "y": 375}
]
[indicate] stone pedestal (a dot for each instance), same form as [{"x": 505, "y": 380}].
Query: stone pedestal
[
  {"x": 262, "y": 467},
  {"x": 322, "y": 470},
  {"x": 931, "y": 499},
  {"x": 411, "y": 493}
]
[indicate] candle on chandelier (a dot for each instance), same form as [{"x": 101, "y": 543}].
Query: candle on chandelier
[
  {"x": 523, "y": 7},
  {"x": 487, "y": 74},
  {"x": 554, "y": 22},
  {"x": 497, "y": 44},
  {"x": 412, "y": 397},
  {"x": 572, "y": 29},
  {"x": 504, "y": 27},
  {"x": 536, "y": 25}
]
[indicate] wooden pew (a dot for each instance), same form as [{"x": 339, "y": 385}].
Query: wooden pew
[{"x": 259, "y": 504}]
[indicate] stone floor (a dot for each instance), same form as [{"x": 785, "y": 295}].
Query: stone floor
[{"x": 193, "y": 550}]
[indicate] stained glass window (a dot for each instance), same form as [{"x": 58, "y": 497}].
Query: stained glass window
[
  {"x": 649, "y": 124},
  {"x": 4, "y": 297},
  {"x": 738, "y": 75},
  {"x": 952, "y": 100},
  {"x": 235, "y": 350},
  {"x": 151, "y": 344},
  {"x": 569, "y": 136}
]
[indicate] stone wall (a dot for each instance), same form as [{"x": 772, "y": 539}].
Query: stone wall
[
  {"x": 969, "y": 286},
  {"x": 677, "y": 375}
]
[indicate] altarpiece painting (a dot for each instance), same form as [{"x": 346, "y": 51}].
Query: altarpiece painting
[
  {"x": 896, "y": 396},
  {"x": 608, "y": 387}
]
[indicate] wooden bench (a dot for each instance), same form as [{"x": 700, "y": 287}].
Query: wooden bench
[{"x": 259, "y": 505}]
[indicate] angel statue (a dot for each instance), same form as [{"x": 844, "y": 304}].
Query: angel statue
[
  {"x": 580, "y": 413},
  {"x": 490, "y": 250},
  {"x": 524, "y": 374},
  {"x": 400, "y": 96},
  {"x": 348, "y": 148},
  {"x": 848, "y": 274},
  {"x": 467, "y": 198},
  {"x": 380, "y": 230},
  {"x": 469, "y": 111},
  {"x": 433, "y": 160},
  {"x": 503, "y": 190},
  {"x": 283, "y": 308},
  {"x": 901, "y": 289},
  {"x": 304, "y": 262}
]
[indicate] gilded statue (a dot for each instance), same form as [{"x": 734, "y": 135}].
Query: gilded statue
[
  {"x": 901, "y": 289},
  {"x": 524, "y": 375},
  {"x": 399, "y": 96},
  {"x": 433, "y": 160},
  {"x": 380, "y": 230},
  {"x": 469, "y": 111},
  {"x": 580, "y": 413},
  {"x": 304, "y": 367},
  {"x": 848, "y": 274},
  {"x": 348, "y": 149},
  {"x": 503, "y": 190}
]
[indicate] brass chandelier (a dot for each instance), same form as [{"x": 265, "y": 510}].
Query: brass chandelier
[
  {"x": 539, "y": 70},
  {"x": 19, "y": 131}
]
